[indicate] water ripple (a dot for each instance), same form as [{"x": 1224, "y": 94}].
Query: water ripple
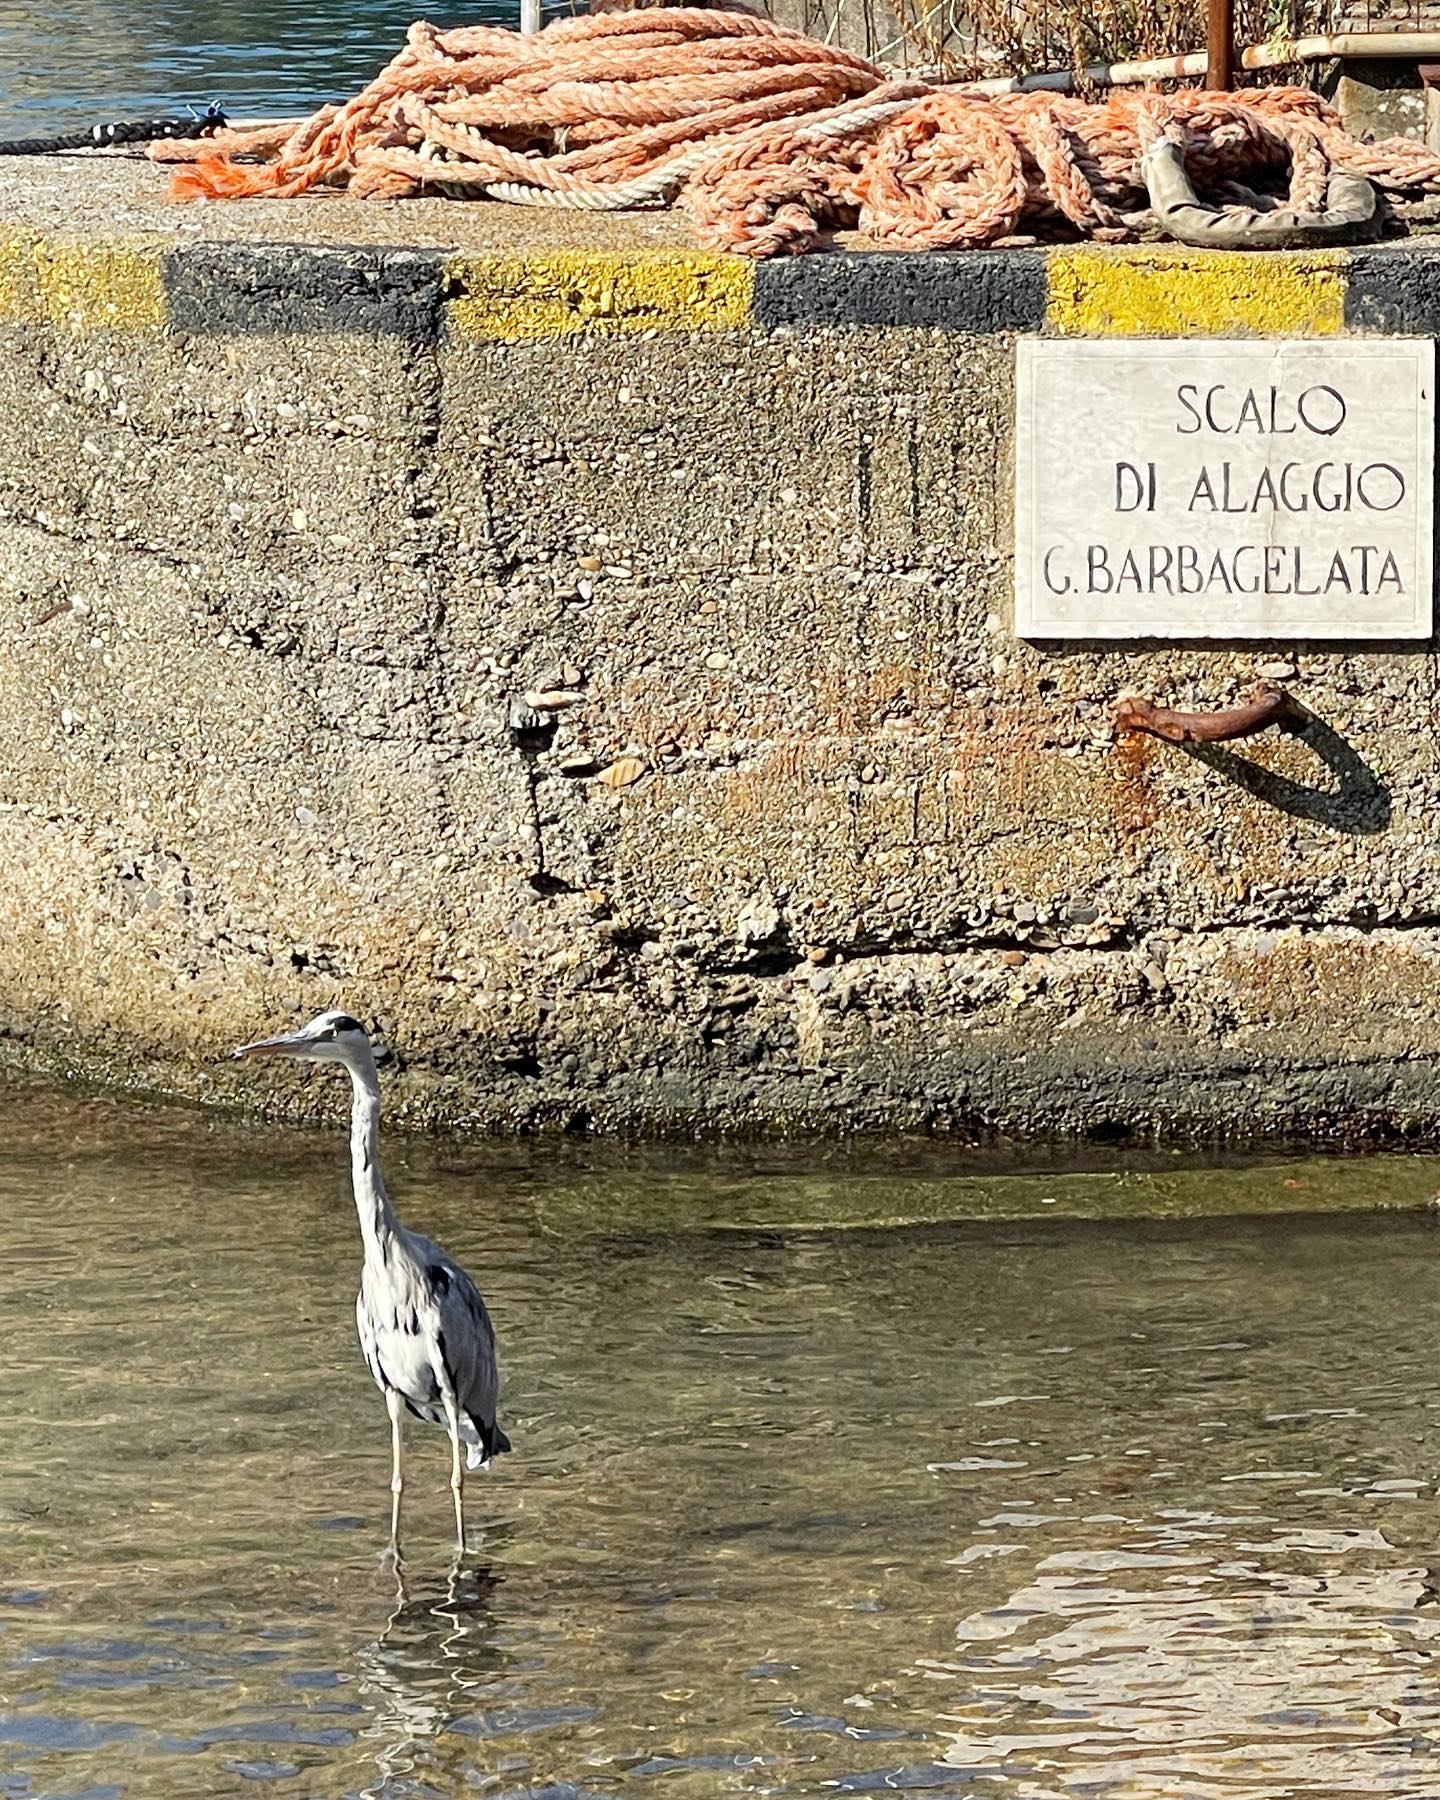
[{"x": 1037, "y": 1512}]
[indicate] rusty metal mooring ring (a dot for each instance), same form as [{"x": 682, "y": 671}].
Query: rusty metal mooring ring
[{"x": 1265, "y": 706}]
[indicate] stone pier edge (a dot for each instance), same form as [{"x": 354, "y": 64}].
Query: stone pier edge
[{"x": 215, "y": 289}]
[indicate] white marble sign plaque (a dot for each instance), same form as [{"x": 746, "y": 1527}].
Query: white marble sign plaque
[{"x": 1224, "y": 489}]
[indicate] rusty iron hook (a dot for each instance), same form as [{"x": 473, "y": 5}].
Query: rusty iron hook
[{"x": 1263, "y": 707}]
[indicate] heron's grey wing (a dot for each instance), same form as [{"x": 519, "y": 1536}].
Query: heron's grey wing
[
  {"x": 469, "y": 1346},
  {"x": 467, "y": 1342}
]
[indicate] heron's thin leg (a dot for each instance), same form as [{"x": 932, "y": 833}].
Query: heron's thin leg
[
  {"x": 396, "y": 1407},
  {"x": 457, "y": 1471}
]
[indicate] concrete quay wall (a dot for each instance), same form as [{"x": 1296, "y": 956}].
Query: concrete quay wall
[{"x": 593, "y": 661}]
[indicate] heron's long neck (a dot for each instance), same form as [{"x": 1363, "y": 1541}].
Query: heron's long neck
[{"x": 372, "y": 1203}]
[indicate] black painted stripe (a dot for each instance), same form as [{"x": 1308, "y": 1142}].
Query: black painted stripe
[
  {"x": 979, "y": 291},
  {"x": 227, "y": 289},
  {"x": 1394, "y": 290}
]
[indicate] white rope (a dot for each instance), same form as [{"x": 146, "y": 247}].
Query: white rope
[{"x": 661, "y": 182}]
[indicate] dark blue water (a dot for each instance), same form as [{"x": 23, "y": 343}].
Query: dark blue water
[{"x": 69, "y": 63}]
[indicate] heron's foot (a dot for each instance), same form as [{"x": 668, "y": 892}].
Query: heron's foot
[{"x": 392, "y": 1563}]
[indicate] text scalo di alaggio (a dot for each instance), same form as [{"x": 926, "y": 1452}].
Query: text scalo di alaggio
[{"x": 1297, "y": 478}]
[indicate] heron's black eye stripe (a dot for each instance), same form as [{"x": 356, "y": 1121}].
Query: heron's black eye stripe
[{"x": 439, "y": 1277}]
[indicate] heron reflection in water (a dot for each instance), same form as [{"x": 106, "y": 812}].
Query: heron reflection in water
[
  {"x": 435, "y": 1661},
  {"x": 423, "y": 1325}
]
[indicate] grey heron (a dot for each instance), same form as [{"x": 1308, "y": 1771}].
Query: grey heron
[{"x": 423, "y": 1326}]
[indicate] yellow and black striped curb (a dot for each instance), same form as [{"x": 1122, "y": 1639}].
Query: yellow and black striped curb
[{"x": 228, "y": 289}]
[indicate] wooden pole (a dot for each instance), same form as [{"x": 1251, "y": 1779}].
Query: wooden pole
[{"x": 1220, "y": 44}]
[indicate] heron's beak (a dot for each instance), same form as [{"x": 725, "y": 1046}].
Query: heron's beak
[{"x": 276, "y": 1046}]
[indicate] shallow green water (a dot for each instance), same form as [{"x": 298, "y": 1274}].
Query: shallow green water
[{"x": 1033, "y": 1508}]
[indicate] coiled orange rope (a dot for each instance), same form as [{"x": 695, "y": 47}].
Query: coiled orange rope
[{"x": 768, "y": 138}]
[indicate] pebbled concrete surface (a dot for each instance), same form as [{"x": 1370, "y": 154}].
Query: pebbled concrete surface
[
  {"x": 126, "y": 195},
  {"x": 632, "y": 727}
]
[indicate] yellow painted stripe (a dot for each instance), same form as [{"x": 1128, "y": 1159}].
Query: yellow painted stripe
[
  {"x": 557, "y": 293},
  {"x": 87, "y": 286},
  {"x": 101, "y": 287},
  {"x": 1195, "y": 293}
]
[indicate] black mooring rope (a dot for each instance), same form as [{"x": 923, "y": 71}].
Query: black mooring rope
[{"x": 118, "y": 131}]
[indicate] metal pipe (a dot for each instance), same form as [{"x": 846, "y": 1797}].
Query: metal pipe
[
  {"x": 529, "y": 17},
  {"x": 1220, "y": 44},
  {"x": 1400, "y": 46}
]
